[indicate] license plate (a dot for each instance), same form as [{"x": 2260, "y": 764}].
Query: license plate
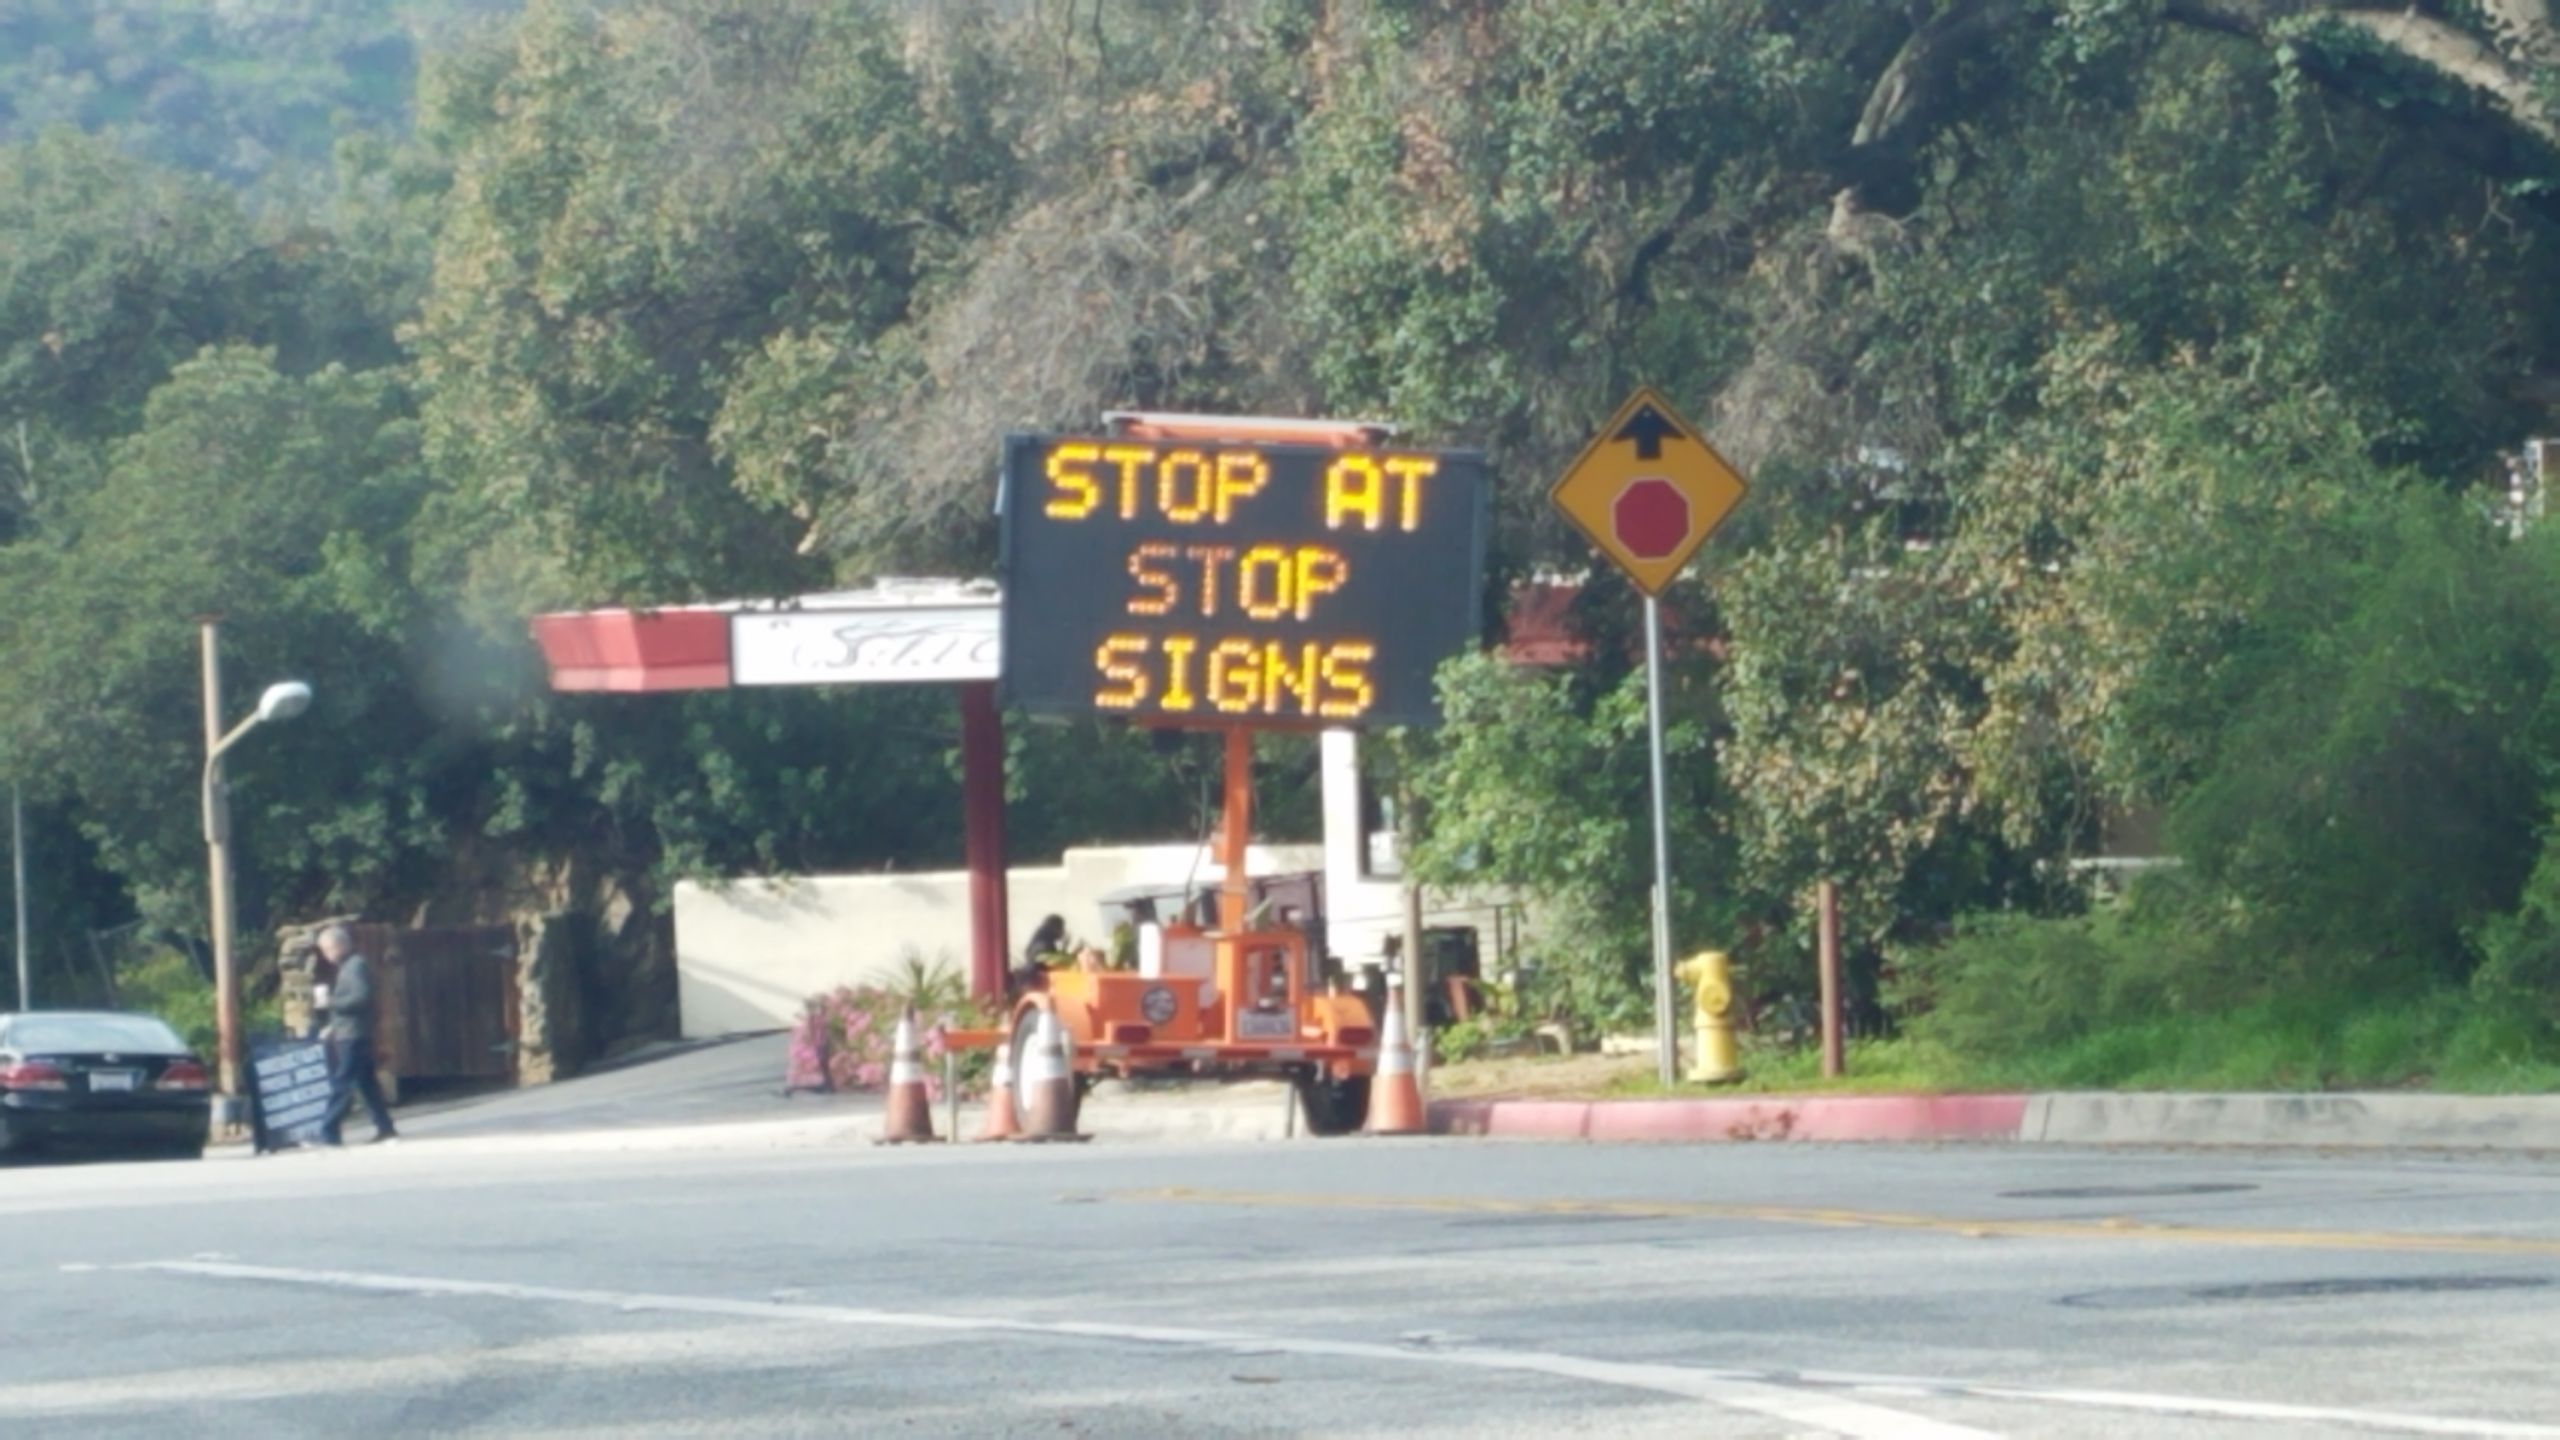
[{"x": 110, "y": 1079}]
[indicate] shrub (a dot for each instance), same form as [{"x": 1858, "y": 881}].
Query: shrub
[
  {"x": 2011, "y": 984},
  {"x": 846, "y": 1038},
  {"x": 167, "y": 984}
]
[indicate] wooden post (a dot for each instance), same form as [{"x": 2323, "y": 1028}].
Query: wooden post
[
  {"x": 982, "y": 801},
  {"x": 1832, "y": 1064},
  {"x": 1417, "y": 974}
]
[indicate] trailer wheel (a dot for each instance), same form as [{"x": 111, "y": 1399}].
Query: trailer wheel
[
  {"x": 1334, "y": 1107},
  {"x": 1025, "y": 1026}
]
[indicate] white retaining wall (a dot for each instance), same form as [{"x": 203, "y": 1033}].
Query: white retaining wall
[{"x": 750, "y": 952}]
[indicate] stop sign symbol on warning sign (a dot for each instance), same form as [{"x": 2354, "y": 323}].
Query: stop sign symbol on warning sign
[{"x": 1650, "y": 517}]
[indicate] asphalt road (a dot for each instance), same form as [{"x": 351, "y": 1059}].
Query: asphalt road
[{"x": 1360, "y": 1288}]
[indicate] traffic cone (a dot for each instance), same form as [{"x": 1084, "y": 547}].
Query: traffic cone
[
  {"x": 1395, "y": 1097},
  {"x": 1049, "y": 1087},
  {"x": 1002, "y": 1122},
  {"x": 910, "y": 1115}
]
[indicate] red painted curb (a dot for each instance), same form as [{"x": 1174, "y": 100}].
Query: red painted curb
[{"x": 1773, "y": 1117}]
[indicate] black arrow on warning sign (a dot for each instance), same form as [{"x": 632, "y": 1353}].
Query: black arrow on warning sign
[{"x": 1649, "y": 429}]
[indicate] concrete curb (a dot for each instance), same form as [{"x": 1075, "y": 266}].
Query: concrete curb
[
  {"x": 2387, "y": 1121},
  {"x": 1775, "y": 1117}
]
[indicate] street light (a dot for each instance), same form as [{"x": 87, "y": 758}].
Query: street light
[{"x": 282, "y": 701}]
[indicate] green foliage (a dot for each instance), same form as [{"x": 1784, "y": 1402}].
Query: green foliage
[
  {"x": 237, "y": 91},
  {"x": 165, "y": 983},
  {"x": 2377, "y": 798},
  {"x": 2013, "y": 984},
  {"x": 283, "y": 505},
  {"x": 1538, "y": 788},
  {"x": 2519, "y": 950},
  {"x": 168, "y": 986}
]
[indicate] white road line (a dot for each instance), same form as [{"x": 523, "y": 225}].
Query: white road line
[
  {"x": 2186, "y": 1406},
  {"x": 1835, "y": 1414},
  {"x": 1781, "y": 1394}
]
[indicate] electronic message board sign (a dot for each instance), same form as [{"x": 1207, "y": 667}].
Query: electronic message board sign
[{"x": 1203, "y": 583}]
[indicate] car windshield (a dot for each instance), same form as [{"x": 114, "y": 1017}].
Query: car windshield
[{"x": 31, "y": 1033}]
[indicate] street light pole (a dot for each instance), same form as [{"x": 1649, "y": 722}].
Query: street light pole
[
  {"x": 217, "y": 841},
  {"x": 281, "y": 701}
]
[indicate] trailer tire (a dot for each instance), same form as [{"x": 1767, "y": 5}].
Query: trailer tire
[{"x": 1334, "y": 1107}]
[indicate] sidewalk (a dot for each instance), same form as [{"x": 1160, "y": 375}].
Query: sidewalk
[{"x": 724, "y": 1099}]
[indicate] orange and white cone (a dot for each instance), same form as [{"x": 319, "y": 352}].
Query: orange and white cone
[
  {"x": 910, "y": 1115},
  {"x": 1002, "y": 1121},
  {"x": 1048, "y": 1085},
  {"x": 1395, "y": 1097}
]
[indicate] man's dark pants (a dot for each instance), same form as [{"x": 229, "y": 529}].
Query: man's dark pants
[{"x": 351, "y": 1074}]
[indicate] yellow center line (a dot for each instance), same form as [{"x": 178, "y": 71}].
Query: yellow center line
[{"x": 2105, "y": 1228}]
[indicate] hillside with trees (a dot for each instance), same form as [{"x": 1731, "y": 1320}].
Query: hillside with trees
[{"x": 2129, "y": 387}]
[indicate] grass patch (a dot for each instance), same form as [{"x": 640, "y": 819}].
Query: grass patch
[
  {"x": 1895, "y": 1066},
  {"x": 2443, "y": 1040}
]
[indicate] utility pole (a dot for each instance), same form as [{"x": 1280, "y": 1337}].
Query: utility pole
[{"x": 18, "y": 890}]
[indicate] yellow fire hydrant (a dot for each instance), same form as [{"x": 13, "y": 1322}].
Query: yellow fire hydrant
[{"x": 1709, "y": 975}]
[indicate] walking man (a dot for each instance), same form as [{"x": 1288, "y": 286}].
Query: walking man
[{"x": 352, "y": 1019}]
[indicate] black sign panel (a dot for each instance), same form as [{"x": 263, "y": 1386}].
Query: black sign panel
[
  {"x": 1225, "y": 583},
  {"x": 288, "y": 1092}
]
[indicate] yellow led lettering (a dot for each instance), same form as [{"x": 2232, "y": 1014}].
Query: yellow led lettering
[
  {"x": 1072, "y": 491},
  {"x": 1130, "y": 459},
  {"x": 1241, "y": 476},
  {"x": 1281, "y": 675},
  {"x": 1348, "y": 692},
  {"x": 1209, "y": 556},
  {"x": 1124, "y": 683},
  {"x": 1354, "y": 487},
  {"x": 1412, "y": 470},
  {"x": 1177, "y": 672},
  {"x": 1145, "y": 574},
  {"x": 1260, "y": 561},
  {"x": 1319, "y": 572},
  {"x": 1184, "y": 491},
  {"x": 1235, "y": 677}
]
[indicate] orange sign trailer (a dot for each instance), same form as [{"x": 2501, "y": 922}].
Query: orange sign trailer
[
  {"x": 1258, "y": 1007},
  {"x": 1238, "y": 1002}
]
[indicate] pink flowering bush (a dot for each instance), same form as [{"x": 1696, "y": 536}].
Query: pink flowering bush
[{"x": 845, "y": 1038}]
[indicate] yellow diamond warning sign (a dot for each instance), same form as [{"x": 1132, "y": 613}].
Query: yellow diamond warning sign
[{"x": 1648, "y": 490}]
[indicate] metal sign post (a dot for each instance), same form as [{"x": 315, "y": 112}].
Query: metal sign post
[
  {"x": 1665, "y": 1028},
  {"x": 1648, "y": 491}
]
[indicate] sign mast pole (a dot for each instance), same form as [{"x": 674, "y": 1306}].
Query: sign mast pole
[
  {"x": 1666, "y": 1031},
  {"x": 1647, "y": 492}
]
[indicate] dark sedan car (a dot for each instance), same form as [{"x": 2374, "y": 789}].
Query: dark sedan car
[{"x": 96, "y": 1078}]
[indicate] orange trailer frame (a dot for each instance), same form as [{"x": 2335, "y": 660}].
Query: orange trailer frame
[{"x": 1262, "y": 1009}]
